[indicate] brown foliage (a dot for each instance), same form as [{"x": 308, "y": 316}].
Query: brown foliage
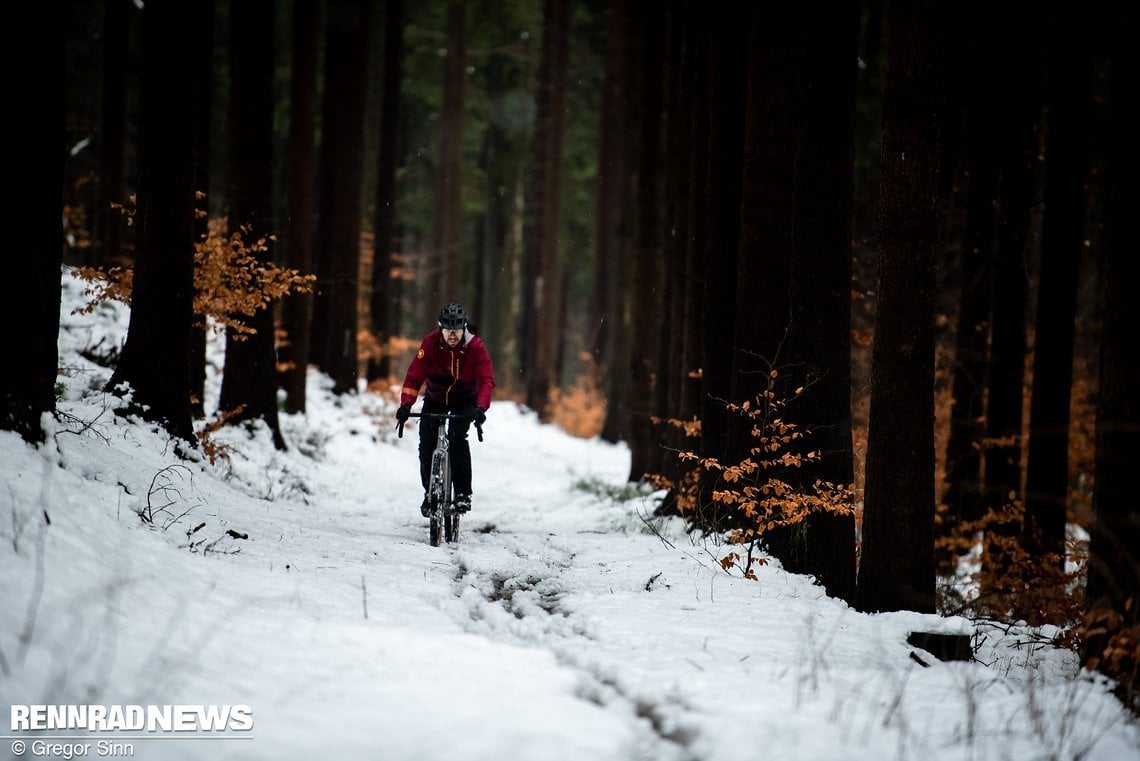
[
  {"x": 1011, "y": 583},
  {"x": 761, "y": 491},
  {"x": 581, "y": 409},
  {"x": 230, "y": 280},
  {"x": 1117, "y": 654}
]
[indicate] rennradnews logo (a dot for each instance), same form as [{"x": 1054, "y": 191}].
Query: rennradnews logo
[{"x": 132, "y": 718}]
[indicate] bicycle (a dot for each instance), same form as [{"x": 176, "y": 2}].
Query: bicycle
[{"x": 443, "y": 518}]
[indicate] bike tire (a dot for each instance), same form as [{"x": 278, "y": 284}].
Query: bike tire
[
  {"x": 440, "y": 485},
  {"x": 434, "y": 532},
  {"x": 451, "y": 527}
]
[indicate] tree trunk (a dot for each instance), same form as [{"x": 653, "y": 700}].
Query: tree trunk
[
  {"x": 203, "y": 119},
  {"x": 763, "y": 269},
  {"x": 449, "y": 181},
  {"x": 609, "y": 190},
  {"x": 728, "y": 59},
  {"x": 112, "y": 133},
  {"x": 820, "y": 336},
  {"x": 1019, "y": 120},
  {"x": 668, "y": 439},
  {"x": 1114, "y": 550},
  {"x": 648, "y": 265},
  {"x": 383, "y": 313},
  {"x": 626, "y": 137},
  {"x": 297, "y": 308},
  {"x": 249, "y": 383},
  {"x": 1066, "y": 168},
  {"x": 27, "y": 385},
  {"x": 545, "y": 200},
  {"x": 897, "y": 565},
  {"x": 693, "y": 237},
  {"x": 341, "y": 203},
  {"x": 963, "y": 494},
  {"x": 154, "y": 362}
]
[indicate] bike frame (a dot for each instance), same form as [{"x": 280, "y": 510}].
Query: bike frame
[{"x": 442, "y": 516}]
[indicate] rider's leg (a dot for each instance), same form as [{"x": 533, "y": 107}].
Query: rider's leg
[
  {"x": 429, "y": 430},
  {"x": 460, "y": 457}
]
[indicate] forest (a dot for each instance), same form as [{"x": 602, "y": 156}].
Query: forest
[{"x": 849, "y": 288}]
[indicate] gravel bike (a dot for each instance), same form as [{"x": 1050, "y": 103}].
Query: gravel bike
[{"x": 443, "y": 518}]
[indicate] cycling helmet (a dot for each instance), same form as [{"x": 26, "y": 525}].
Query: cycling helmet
[{"x": 452, "y": 317}]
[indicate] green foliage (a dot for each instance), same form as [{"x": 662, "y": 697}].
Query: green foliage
[{"x": 613, "y": 492}]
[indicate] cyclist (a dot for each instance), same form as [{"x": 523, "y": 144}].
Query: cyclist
[{"x": 460, "y": 378}]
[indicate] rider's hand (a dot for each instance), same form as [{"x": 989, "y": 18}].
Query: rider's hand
[
  {"x": 480, "y": 416},
  {"x": 403, "y": 412}
]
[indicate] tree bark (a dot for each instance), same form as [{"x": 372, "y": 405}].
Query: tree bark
[
  {"x": 203, "y": 119},
  {"x": 154, "y": 362},
  {"x": 649, "y": 263},
  {"x": 1066, "y": 168},
  {"x": 449, "y": 180},
  {"x": 963, "y": 494},
  {"x": 341, "y": 203},
  {"x": 727, "y": 66},
  {"x": 297, "y": 308},
  {"x": 897, "y": 565},
  {"x": 820, "y": 335},
  {"x": 764, "y": 259},
  {"x": 542, "y": 276},
  {"x": 1019, "y": 120},
  {"x": 27, "y": 384},
  {"x": 112, "y": 133},
  {"x": 1114, "y": 549},
  {"x": 383, "y": 313},
  {"x": 249, "y": 383}
]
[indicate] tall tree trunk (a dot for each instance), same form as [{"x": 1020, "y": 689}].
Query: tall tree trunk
[
  {"x": 1019, "y": 121},
  {"x": 897, "y": 565},
  {"x": 27, "y": 385},
  {"x": 503, "y": 156},
  {"x": 297, "y": 308},
  {"x": 449, "y": 182},
  {"x": 1114, "y": 549},
  {"x": 626, "y": 137},
  {"x": 963, "y": 492},
  {"x": 763, "y": 270},
  {"x": 608, "y": 195},
  {"x": 112, "y": 132},
  {"x": 341, "y": 203},
  {"x": 646, "y": 284},
  {"x": 1066, "y": 168},
  {"x": 383, "y": 313},
  {"x": 695, "y": 160},
  {"x": 249, "y": 383},
  {"x": 542, "y": 241},
  {"x": 820, "y": 336},
  {"x": 154, "y": 362},
  {"x": 728, "y": 59},
  {"x": 203, "y": 119},
  {"x": 668, "y": 439}
]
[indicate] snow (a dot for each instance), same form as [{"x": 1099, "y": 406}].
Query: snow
[{"x": 568, "y": 623}]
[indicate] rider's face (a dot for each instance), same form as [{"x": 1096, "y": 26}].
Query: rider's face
[{"x": 452, "y": 337}]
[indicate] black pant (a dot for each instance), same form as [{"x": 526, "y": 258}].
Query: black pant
[{"x": 459, "y": 447}]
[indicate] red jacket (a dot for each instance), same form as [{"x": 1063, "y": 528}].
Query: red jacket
[{"x": 454, "y": 376}]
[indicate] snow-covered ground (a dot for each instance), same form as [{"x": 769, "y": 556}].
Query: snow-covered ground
[{"x": 567, "y": 624}]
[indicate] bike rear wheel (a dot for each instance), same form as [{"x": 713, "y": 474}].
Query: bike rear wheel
[{"x": 451, "y": 527}]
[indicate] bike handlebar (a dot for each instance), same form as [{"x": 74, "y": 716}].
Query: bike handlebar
[{"x": 441, "y": 416}]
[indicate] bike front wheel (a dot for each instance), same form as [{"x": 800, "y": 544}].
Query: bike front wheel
[
  {"x": 439, "y": 519},
  {"x": 435, "y": 522}
]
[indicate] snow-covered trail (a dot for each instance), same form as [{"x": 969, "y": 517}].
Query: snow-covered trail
[{"x": 562, "y": 626}]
